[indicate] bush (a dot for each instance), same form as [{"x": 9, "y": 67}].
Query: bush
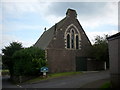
[
  {"x": 99, "y": 50},
  {"x": 8, "y": 51},
  {"x": 28, "y": 61}
]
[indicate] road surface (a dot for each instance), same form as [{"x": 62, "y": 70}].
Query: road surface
[{"x": 74, "y": 81}]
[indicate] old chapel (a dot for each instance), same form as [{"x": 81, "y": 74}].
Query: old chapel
[{"x": 66, "y": 45}]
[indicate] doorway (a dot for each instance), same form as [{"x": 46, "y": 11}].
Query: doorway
[{"x": 81, "y": 64}]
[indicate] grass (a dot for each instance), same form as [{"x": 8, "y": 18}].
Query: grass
[
  {"x": 106, "y": 85},
  {"x": 54, "y": 75},
  {"x": 63, "y": 74}
]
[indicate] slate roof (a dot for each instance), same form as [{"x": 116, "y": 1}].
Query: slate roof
[
  {"x": 47, "y": 36},
  {"x": 115, "y": 36}
]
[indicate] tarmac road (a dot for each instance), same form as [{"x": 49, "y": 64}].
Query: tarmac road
[
  {"x": 7, "y": 84},
  {"x": 74, "y": 81}
]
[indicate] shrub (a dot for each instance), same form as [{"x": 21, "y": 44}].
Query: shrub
[
  {"x": 28, "y": 61},
  {"x": 8, "y": 51},
  {"x": 99, "y": 50}
]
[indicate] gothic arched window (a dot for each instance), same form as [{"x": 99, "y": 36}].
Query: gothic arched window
[
  {"x": 68, "y": 41},
  {"x": 72, "y": 39},
  {"x": 77, "y": 42}
]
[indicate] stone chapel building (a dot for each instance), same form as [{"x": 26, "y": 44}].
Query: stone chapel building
[{"x": 66, "y": 45}]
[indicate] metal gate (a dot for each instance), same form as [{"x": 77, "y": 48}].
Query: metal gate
[{"x": 81, "y": 64}]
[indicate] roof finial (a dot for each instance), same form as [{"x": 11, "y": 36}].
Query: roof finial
[{"x": 45, "y": 28}]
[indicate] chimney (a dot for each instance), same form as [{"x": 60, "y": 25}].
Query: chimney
[
  {"x": 71, "y": 13},
  {"x": 55, "y": 28}
]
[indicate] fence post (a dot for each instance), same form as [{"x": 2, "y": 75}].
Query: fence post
[{"x": 105, "y": 65}]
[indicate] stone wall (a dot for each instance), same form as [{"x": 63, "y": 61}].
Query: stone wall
[
  {"x": 61, "y": 60},
  {"x": 95, "y": 65}
]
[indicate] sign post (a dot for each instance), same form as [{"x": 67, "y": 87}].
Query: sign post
[
  {"x": 44, "y": 70},
  {"x": 44, "y": 73}
]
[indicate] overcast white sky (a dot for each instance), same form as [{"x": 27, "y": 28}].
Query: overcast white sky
[{"x": 24, "y": 21}]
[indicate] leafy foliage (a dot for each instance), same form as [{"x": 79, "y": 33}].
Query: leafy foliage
[
  {"x": 28, "y": 61},
  {"x": 8, "y": 51},
  {"x": 0, "y": 61},
  {"x": 100, "y": 49}
]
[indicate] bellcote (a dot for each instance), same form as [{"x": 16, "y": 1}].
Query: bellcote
[{"x": 71, "y": 13}]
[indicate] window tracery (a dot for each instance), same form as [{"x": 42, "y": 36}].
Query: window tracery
[{"x": 72, "y": 36}]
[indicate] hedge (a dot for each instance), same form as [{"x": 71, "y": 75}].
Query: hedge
[{"x": 28, "y": 61}]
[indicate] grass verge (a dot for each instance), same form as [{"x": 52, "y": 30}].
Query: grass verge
[
  {"x": 106, "y": 85},
  {"x": 63, "y": 74},
  {"x": 50, "y": 76}
]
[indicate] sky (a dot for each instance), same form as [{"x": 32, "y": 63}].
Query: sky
[{"x": 24, "y": 20}]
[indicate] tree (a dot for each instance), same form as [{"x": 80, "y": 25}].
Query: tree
[
  {"x": 8, "y": 51},
  {"x": 0, "y": 61},
  {"x": 28, "y": 61},
  {"x": 100, "y": 49}
]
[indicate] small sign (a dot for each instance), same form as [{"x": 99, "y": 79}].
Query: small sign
[{"x": 44, "y": 69}]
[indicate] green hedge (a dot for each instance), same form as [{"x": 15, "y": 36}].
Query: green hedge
[{"x": 28, "y": 61}]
